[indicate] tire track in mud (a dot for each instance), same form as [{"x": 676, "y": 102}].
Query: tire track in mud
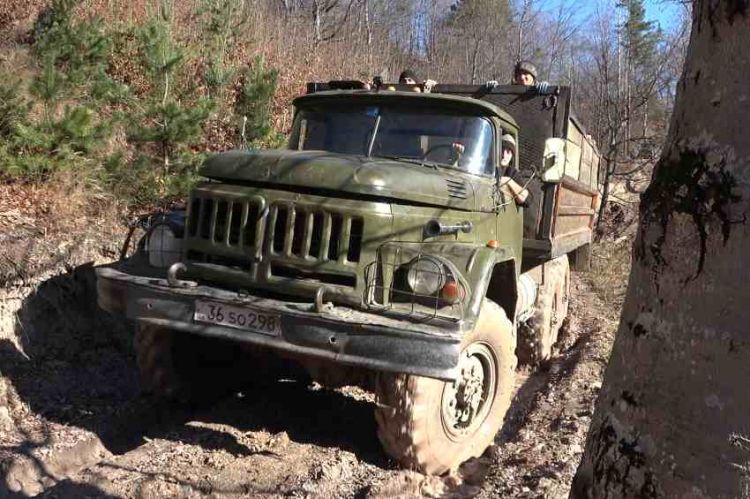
[
  {"x": 539, "y": 448},
  {"x": 285, "y": 439}
]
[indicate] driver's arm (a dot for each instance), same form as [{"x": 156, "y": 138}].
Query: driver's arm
[{"x": 520, "y": 194}]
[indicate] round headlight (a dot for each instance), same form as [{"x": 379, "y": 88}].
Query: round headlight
[
  {"x": 163, "y": 247},
  {"x": 426, "y": 276}
]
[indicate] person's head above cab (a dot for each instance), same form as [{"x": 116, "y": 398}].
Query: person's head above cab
[
  {"x": 408, "y": 77},
  {"x": 524, "y": 73}
]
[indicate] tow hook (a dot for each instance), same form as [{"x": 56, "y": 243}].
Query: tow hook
[
  {"x": 172, "y": 276},
  {"x": 319, "y": 305}
]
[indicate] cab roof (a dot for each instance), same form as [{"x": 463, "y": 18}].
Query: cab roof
[{"x": 454, "y": 103}]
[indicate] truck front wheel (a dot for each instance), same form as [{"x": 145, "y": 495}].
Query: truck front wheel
[{"x": 433, "y": 426}]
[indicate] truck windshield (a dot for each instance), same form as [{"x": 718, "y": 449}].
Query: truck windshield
[{"x": 430, "y": 137}]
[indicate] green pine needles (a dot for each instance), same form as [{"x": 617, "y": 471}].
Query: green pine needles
[
  {"x": 80, "y": 110},
  {"x": 254, "y": 101}
]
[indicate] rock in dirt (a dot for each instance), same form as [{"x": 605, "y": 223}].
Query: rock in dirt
[
  {"x": 399, "y": 484},
  {"x": 32, "y": 475}
]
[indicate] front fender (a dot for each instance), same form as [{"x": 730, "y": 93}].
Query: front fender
[{"x": 481, "y": 269}]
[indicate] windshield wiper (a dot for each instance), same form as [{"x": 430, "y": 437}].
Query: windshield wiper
[{"x": 413, "y": 161}]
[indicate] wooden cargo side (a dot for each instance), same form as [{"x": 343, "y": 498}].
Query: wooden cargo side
[{"x": 577, "y": 195}]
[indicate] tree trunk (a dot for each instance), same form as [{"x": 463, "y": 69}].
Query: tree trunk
[
  {"x": 609, "y": 169},
  {"x": 317, "y": 22},
  {"x": 674, "y": 409},
  {"x": 368, "y": 27},
  {"x": 628, "y": 104},
  {"x": 474, "y": 59}
]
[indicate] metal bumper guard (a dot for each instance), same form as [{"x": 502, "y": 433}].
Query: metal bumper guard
[{"x": 338, "y": 334}]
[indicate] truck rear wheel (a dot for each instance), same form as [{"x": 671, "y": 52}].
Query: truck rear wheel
[
  {"x": 433, "y": 426},
  {"x": 540, "y": 332},
  {"x": 185, "y": 368}
]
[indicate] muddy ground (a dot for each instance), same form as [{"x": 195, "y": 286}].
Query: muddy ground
[
  {"x": 77, "y": 427},
  {"x": 72, "y": 422}
]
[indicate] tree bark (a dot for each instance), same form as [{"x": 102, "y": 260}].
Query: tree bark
[
  {"x": 317, "y": 21},
  {"x": 368, "y": 27},
  {"x": 609, "y": 169},
  {"x": 674, "y": 409},
  {"x": 474, "y": 60},
  {"x": 628, "y": 101}
]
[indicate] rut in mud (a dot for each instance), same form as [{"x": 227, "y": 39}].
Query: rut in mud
[{"x": 77, "y": 426}]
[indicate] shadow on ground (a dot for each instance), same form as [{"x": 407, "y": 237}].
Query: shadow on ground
[{"x": 77, "y": 369}]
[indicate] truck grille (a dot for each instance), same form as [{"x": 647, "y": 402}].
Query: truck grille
[
  {"x": 281, "y": 239},
  {"x": 232, "y": 223},
  {"x": 312, "y": 234}
]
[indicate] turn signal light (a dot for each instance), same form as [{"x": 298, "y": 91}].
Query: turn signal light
[
  {"x": 492, "y": 243},
  {"x": 452, "y": 292}
]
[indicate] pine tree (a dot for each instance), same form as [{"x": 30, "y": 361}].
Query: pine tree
[
  {"x": 167, "y": 122},
  {"x": 170, "y": 126},
  {"x": 72, "y": 58},
  {"x": 13, "y": 107},
  {"x": 223, "y": 19},
  {"x": 78, "y": 52},
  {"x": 640, "y": 39},
  {"x": 640, "y": 36},
  {"x": 161, "y": 57},
  {"x": 79, "y": 130},
  {"x": 48, "y": 86},
  {"x": 254, "y": 101}
]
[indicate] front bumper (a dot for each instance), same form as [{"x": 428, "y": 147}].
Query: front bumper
[{"x": 339, "y": 334}]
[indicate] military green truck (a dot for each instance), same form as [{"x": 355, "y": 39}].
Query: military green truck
[{"x": 379, "y": 248}]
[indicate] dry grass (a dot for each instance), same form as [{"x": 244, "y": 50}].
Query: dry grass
[
  {"x": 63, "y": 205},
  {"x": 610, "y": 269},
  {"x": 16, "y": 17},
  {"x": 612, "y": 254},
  {"x": 74, "y": 195}
]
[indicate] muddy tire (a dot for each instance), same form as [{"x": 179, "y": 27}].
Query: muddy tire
[
  {"x": 538, "y": 335},
  {"x": 185, "y": 368},
  {"x": 433, "y": 426}
]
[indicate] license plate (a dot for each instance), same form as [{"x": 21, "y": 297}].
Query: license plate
[{"x": 237, "y": 317}]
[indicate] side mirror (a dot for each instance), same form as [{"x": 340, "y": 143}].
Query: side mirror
[{"x": 554, "y": 160}]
